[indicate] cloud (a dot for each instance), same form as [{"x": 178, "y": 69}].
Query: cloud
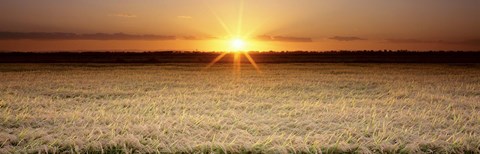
[
  {"x": 409, "y": 41},
  {"x": 184, "y": 17},
  {"x": 346, "y": 38},
  {"x": 475, "y": 41},
  {"x": 124, "y": 15},
  {"x": 73, "y": 36},
  {"x": 283, "y": 38},
  {"x": 191, "y": 38},
  {"x": 471, "y": 42}
]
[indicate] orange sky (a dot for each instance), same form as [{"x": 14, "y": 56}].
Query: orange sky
[{"x": 265, "y": 25}]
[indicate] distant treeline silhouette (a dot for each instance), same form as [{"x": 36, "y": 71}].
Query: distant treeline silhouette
[{"x": 343, "y": 56}]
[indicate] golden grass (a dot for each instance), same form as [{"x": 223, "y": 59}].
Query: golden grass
[{"x": 307, "y": 108}]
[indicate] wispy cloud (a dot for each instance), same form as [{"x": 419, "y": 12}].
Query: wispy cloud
[
  {"x": 185, "y": 17},
  {"x": 124, "y": 15},
  {"x": 191, "y": 37},
  {"x": 283, "y": 38},
  {"x": 411, "y": 41},
  {"x": 475, "y": 41},
  {"x": 73, "y": 36},
  {"x": 346, "y": 38}
]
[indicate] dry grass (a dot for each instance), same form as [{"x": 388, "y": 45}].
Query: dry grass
[{"x": 308, "y": 108}]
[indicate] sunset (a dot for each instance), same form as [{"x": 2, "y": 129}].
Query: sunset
[
  {"x": 206, "y": 25},
  {"x": 240, "y": 76}
]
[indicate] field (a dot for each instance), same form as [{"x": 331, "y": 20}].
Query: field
[{"x": 310, "y": 107}]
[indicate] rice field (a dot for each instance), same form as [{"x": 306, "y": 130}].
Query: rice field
[{"x": 288, "y": 108}]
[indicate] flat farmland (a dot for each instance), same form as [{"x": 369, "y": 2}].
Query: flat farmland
[{"x": 288, "y": 108}]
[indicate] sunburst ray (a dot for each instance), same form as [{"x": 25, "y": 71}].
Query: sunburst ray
[
  {"x": 237, "y": 63},
  {"x": 240, "y": 18},
  {"x": 238, "y": 43},
  {"x": 254, "y": 64},
  {"x": 221, "y": 22},
  {"x": 218, "y": 58}
]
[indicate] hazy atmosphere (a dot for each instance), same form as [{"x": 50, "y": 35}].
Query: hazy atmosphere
[{"x": 207, "y": 25}]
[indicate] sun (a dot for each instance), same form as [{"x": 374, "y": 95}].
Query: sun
[
  {"x": 238, "y": 50},
  {"x": 237, "y": 44}
]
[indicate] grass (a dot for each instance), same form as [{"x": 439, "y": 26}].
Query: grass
[{"x": 289, "y": 108}]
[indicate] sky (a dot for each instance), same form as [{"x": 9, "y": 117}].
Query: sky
[{"x": 263, "y": 25}]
